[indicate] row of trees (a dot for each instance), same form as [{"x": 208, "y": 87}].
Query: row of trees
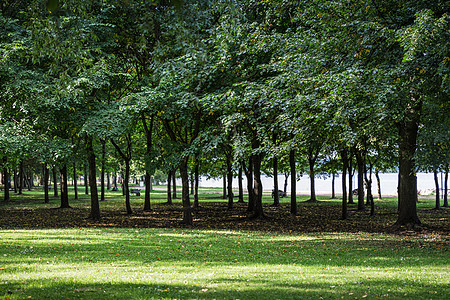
[{"x": 227, "y": 87}]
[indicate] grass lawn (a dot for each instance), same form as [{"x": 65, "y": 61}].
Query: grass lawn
[{"x": 48, "y": 253}]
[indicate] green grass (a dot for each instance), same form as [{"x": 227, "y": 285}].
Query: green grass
[{"x": 158, "y": 263}]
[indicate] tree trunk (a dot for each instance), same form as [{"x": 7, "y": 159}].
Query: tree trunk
[
  {"x": 126, "y": 180},
  {"x": 230, "y": 182},
  {"x": 344, "y": 185},
  {"x": 46, "y": 177},
  {"x": 169, "y": 190},
  {"x": 407, "y": 188},
  {"x": 241, "y": 188},
  {"x": 224, "y": 186},
  {"x": 95, "y": 207},
  {"x": 438, "y": 195},
  {"x": 21, "y": 177},
  {"x": 16, "y": 181},
  {"x": 6, "y": 181},
  {"x": 102, "y": 172},
  {"x": 286, "y": 177},
  {"x": 75, "y": 180},
  {"x": 377, "y": 176},
  {"x": 64, "y": 189},
  {"x": 249, "y": 174},
  {"x": 196, "y": 178},
  {"x": 276, "y": 195},
  {"x": 369, "y": 189},
  {"x": 187, "y": 211},
  {"x": 350, "y": 178},
  {"x": 360, "y": 162},
  {"x": 108, "y": 180},
  {"x": 312, "y": 177},
  {"x": 257, "y": 185},
  {"x": 55, "y": 182},
  {"x": 191, "y": 180},
  {"x": 174, "y": 183},
  {"x": 333, "y": 195},
  {"x": 446, "y": 188},
  {"x": 86, "y": 180},
  {"x": 293, "y": 182},
  {"x": 148, "y": 189}
]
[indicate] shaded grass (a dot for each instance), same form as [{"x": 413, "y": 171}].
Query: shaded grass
[{"x": 61, "y": 254}]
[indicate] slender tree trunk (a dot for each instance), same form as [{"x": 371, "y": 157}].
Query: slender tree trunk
[
  {"x": 191, "y": 180},
  {"x": 169, "y": 190},
  {"x": 377, "y": 176},
  {"x": 436, "y": 184},
  {"x": 241, "y": 188},
  {"x": 368, "y": 180},
  {"x": 293, "y": 183},
  {"x": 257, "y": 186},
  {"x": 286, "y": 177},
  {"x": 276, "y": 195},
  {"x": 86, "y": 180},
  {"x": 75, "y": 180},
  {"x": 251, "y": 196},
  {"x": 55, "y": 182},
  {"x": 344, "y": 186},
  {"x": 108, "y": 180},
  {"x": 350, "y": 178},
  {"x": 333, "y": 195},
  {"x": 6, "y": 180},
  {"x": 95, "y": 206},
  {"x": 174, "y": 184},
  {"x": 102, "y": 172},
  {"x": 224, "y": 186},
  {"x": 230, "y": 182},
  {"x": 46, "y": 177},
  {"x": 312, "y": 177},
  {"x": 196, "y": 178},
  {"x": 21, "y": 178},
  {"x": 360, "y": 162},
  {"x": 16, "y": 181},
  {"x": 187, "y": 211},
  {"x": 446, "y": 188},
  {"x": 407, "y": 190},
  {"x": 126, "y": 180},
  {"x": 64, "y": 188}
]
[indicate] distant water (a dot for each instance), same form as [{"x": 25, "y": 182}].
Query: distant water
[{"x": 389, "y": 182}]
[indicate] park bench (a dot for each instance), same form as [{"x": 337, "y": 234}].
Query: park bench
[
  {"x": 281, "y": 194},
  {"x": 136, "y": 191}
]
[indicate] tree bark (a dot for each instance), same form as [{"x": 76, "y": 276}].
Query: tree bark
[
  {"x": 344, "y": 185},
  {"x": 6, "y": 180},
  {"x": 446, "y": 188},
  {"x": 241, "y": 188},
  {"x": 438, "y": 195},
  {"x": 293, "y": 182},
  {"x": 75, "y": 180},
  {"x": 169, "y": 190},
  {"x": 360, "y": 163},
  {"x": 257, "y": 185},
  {"x": 64, "y": 189},
  {"x": 174, "y": 183},
  {"x": 230, "y": 181},
  {"x": 276, "y": 195},
  {"x": 95, "y": 207},
  {"x": 86, "y": 180},
  {"x": 407, "y": 188},
  {"x": 126, "y": 180},
  {"x": 249, "y": 175},
  {"x": 350, "y": 178},
  {"x": 312, "y": 177},
  {"x": 102, "y": 172},
  {"x": 377, "y": 176},
  {"x": 108, "y": 180},
  {"x": 46, "y": 186},
  {"x": 55, "y": 182},
  {"x": 187, "y": 211},
  {"x": 224, "y": 186},
  {"x": 333, "y": 194},
  {"x": 196, "y": 178},
  {"x": 286, "y": 177},
  {"x": 21, "y": 175}
]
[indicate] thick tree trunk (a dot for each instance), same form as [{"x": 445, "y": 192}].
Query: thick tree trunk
[
  {"x": 312, "y": 177},
  {"x": 407, "y": 188},
  {"x": 251, "y": 196},
  {"x": 344, "y": 185},
  {"x": 75, "y": 180},
  {"x": 95, "y": 207},
  {"x": 276, "y": 195},
  {"x": 64, "y": 188},
  {"x": 86, "y": 180},
  {"x": 438, "y": 195},
  {"x": 230, "y": 182},
  {"x": 241, "y": 188},
  {"x": 293, "y": 182},
  {"x": 102, "y": 172},
  {"x": 196, "y": 178},
  {"x": 360, "y": 163},
  {"x": 350, "y": 178},
  {"x": 169, "y": 189},
  {"x": 187, "y": 211},
  {"x": 46, "y": 186}
]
